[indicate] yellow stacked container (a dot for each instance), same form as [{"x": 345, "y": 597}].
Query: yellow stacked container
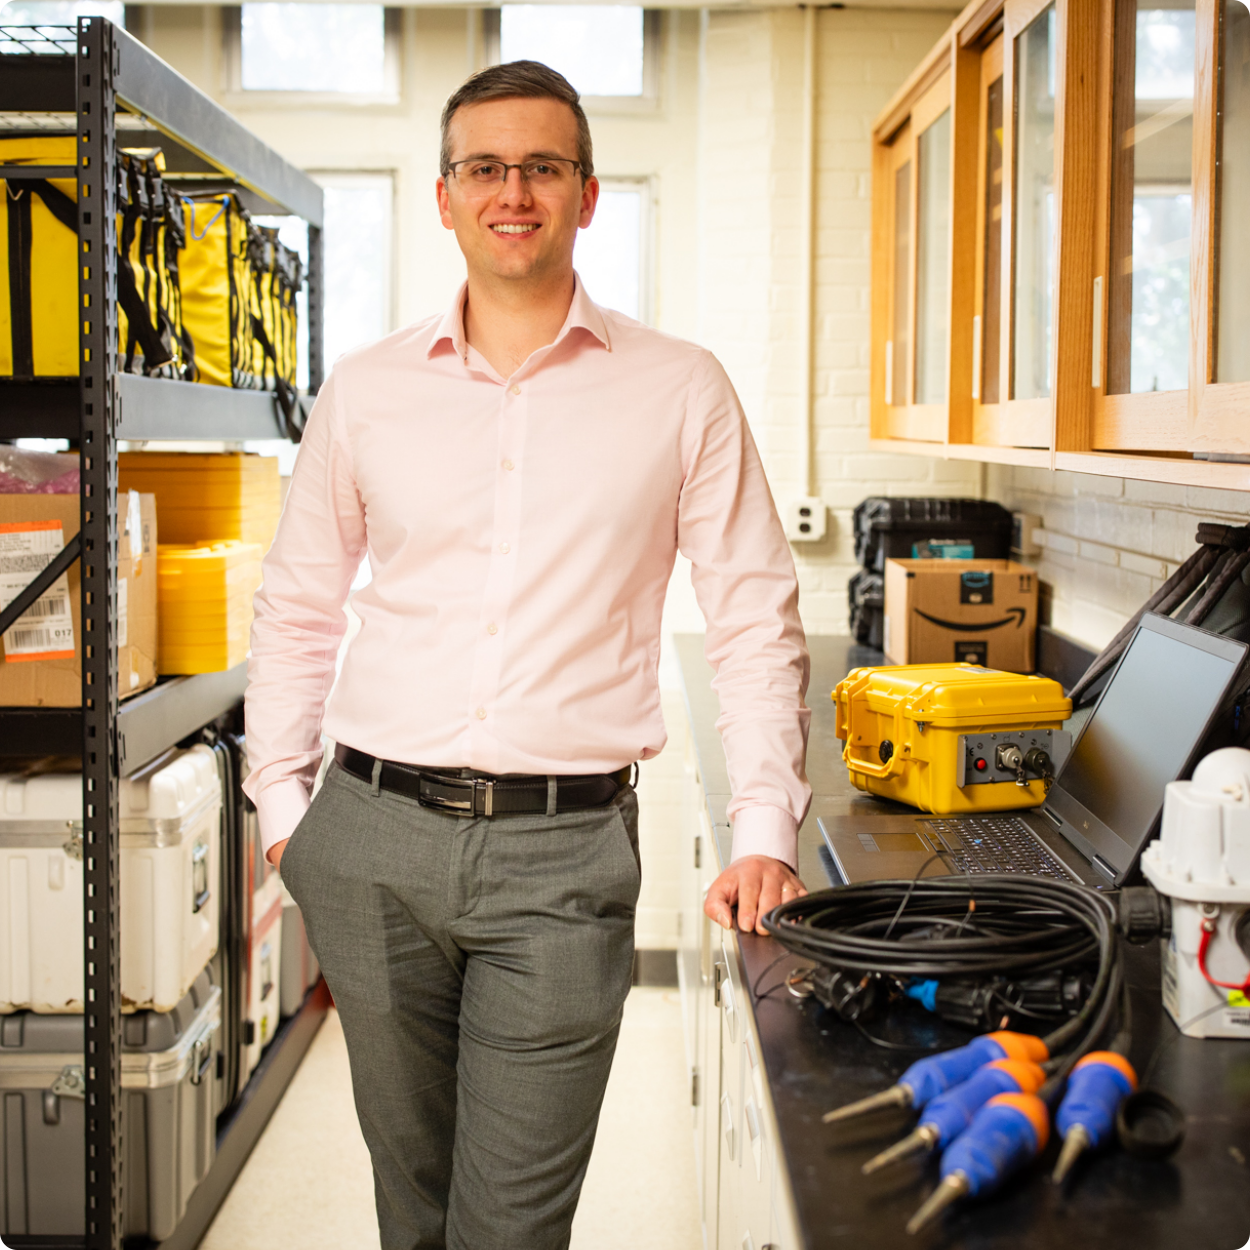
[
  {"x": 205, "y": 605},
  {"x": 208, "y": 497}
]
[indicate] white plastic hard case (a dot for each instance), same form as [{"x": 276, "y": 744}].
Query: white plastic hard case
[{"x": 170, "y": 836}]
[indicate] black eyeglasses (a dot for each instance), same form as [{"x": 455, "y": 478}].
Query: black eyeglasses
[{"x": 481, "y": 175}]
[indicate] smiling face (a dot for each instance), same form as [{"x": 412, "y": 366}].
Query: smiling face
[{"x": 516, "y": 231}]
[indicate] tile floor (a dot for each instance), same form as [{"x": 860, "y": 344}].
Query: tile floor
[{"x": 308, "y": 1184}]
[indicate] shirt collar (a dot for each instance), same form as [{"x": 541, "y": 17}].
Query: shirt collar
[{"x": 584, "y": 314}]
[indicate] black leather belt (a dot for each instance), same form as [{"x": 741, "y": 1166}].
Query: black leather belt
[{"x": 483, "y": 796}]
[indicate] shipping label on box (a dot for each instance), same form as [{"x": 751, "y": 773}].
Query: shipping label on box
[
  {"x": 45, "y": 631},
  {"x": 961, "y": 611}
]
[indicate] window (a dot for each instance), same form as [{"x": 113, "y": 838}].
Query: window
[
  {"x": 329, "y": 49},
  {"x": 608, "y": 52},
  {"x": 611, "y": 253},
  {"x": 59, "y": 12},
  {"x": 356, "y": 239}
]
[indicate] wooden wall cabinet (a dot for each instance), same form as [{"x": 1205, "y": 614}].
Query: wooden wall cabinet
[{"x": 1095, "y": 241}]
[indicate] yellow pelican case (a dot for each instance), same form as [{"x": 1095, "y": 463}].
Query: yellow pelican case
[{"x": 902, "y": 728}]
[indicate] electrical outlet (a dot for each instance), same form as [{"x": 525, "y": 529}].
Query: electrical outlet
[{"x": 806, "y": 520}]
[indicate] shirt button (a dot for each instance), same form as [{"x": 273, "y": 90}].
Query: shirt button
[
  {"x": 481, "y": 713},
  {"x": 507, "y": 464},
  {"x": 492, "y": 628},
  {"x": 516, "y": 390},
  {"x": 504, "y": 548}
]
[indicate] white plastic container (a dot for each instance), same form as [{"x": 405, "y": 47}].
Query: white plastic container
[
  {"x": 170, "y": 847},
  {"x": 1201, "y": 860}
]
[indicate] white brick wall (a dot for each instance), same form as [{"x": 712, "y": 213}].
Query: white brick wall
[
  {"x": 750, "y": 279},
  {"x": 1110, "y": 542}
]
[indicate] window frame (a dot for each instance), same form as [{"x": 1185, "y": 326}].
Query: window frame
[
  {"x": 645, "y": 186},
  {"x": 652, "y": 56},
  {"x": 237, "y": 96},
  {"x": 330, "y": 178}
]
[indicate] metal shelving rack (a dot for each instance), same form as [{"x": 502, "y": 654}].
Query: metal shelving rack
[{"x": 100, "y": 83}]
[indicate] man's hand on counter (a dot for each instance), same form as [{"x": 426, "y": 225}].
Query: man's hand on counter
[{"x": 756, "y": 884}]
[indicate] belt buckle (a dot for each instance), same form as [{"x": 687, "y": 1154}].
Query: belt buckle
[{"x": 479, "y": 797}]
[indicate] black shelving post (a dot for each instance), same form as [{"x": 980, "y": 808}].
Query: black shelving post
[
  {"x": 97, "y": 210},
  {"x": 316, "y": 286},
  {"x": 96, "y": 196}
]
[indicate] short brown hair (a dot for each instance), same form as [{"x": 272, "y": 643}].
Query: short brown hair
[{"x": 518, "y": 79}]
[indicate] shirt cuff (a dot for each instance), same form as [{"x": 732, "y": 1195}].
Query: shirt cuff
[
  {"x": 280, "y": 807},
  {"x": 763, "y": 829}
]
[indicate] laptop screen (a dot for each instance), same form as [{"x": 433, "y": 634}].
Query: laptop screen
[{"x": 1151, "y": 718}]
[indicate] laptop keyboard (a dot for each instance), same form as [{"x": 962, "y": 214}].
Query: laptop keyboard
[{"x": 994, "y": 844}]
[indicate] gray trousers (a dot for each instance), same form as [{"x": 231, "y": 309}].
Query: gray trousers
[{"x": 479, "y": 968}]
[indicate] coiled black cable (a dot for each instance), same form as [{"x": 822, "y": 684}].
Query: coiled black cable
[{"x": 964, "y": 926}]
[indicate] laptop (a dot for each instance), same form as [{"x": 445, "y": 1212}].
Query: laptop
[{"x": 1148, "y": 728}]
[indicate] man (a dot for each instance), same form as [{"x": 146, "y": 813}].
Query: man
[{"x": 520, "y": 474}]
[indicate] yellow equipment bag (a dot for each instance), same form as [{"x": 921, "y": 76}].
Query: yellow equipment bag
[
  {"x": 217, "y": 292},
  {"x": 150, "y": 233},
  {"x": 940, "y": 736},
  {"x": 38, "y": 267}
]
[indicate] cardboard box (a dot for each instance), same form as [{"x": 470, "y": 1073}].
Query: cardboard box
[
  {"x": 961, "y": 611},
  {"x": 51, "y": 674}
]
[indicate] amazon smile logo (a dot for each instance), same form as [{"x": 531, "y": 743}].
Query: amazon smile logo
[{"x": 1013, "y": 614}]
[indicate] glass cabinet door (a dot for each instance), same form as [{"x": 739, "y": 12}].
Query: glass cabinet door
[
  {"x": 933, "y": 260},
  {"x": 1148, "y": 321},
  {"x": 1034, "y": 208},
  {"x": 986, "y": 382},
  {"x": 1232, "y": 352},
  {"x": 915, "y": 168},
  {"x": 898, "y": 347}
]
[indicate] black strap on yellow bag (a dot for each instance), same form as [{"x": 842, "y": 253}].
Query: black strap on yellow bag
[
  {"x": 19, "y": 243},
  {"x": 134, "y": 301}
]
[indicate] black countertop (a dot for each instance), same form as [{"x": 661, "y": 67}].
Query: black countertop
[{"x": 1199, "y": 1198}]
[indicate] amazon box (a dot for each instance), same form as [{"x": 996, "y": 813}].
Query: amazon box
[
  {"x": 41, "y": 655},
  {"x": 961, "y": 611}
]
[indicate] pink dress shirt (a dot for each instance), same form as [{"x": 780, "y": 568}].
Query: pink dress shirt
[{"x": 521, "y": 533}]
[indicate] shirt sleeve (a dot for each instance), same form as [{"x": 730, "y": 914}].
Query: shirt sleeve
[
  {"x": 745, "y": 583},
  {"x": 299, "y": 621}
]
